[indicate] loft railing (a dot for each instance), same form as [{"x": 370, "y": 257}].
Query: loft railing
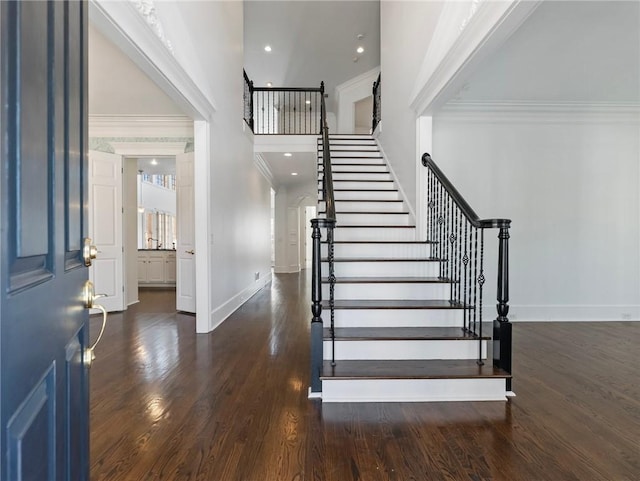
[
  {"x": 377, "y": 97},
  {"x": 458, "y": 236},
  {"x": 282, "y": 110},
  {"x": 247, "y": 97},
  {"x": 328, "y": 223}
]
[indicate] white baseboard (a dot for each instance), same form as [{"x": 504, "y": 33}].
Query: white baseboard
[
  {"x": 568, "y": 313},
  {"x": 286, "y": 269},
  {"x": 222, "y": 312},
  {"x": 314, "y": 395}
]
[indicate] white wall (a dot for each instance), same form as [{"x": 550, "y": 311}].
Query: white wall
[
  {"x": 156, "y": 197},
  {"x": 348, "y": 94},
  {"x": 406, "y": 28},
  {"x": 571, "y": 185},
  {"x": 239, "y": 222}
]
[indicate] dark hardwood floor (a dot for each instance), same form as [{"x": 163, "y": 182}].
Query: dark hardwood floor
[{"x": 167, "y": 404}]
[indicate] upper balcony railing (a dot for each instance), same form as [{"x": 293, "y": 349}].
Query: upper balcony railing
[
  {"x": 377, "y": 111},
  {"x": 283, "y": 110}
]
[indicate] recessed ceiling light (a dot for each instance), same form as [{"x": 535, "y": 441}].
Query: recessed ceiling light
[
  {"x": 154, "y": 162},
  {"x": 267, "y": 48},
  {"x": 269, "y": 84},
  {"x": 294, "y": 173},
  {"x": 360, "y": 49},
  {"x": 287, "y": 154},
  {"x": 308, "y": 102}
]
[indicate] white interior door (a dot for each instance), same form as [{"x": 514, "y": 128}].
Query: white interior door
[
  {"x": 185, "y": 249},
  {"x": 105, "y": 227}
]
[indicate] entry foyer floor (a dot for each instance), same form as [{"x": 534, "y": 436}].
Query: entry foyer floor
[{"x": 167, "y": 404}]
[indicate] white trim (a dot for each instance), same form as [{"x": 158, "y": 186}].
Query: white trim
[
  {"x": 202, "y": 216},
  {"x": 568, "y": 313},
  {"x": 443, "y": 74},
  {"x": 314, "y": 395},
  {"x": 133, "y": 149},
  {"x": 222, "y": 312},
  {"x": 123, "y": 25},
  {"x": 139, "y": 126},
  {"x": 263, "y": 168},
  {"x": 540, "y": 113},
  {"x": 355, "y": 82},
  {"x": 285, "y": 143}
]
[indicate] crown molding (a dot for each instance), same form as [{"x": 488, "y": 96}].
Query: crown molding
[
  {"x": 140, "y": 126},
  {"x": 148, "y": 148},
  {"x": 541, "y": 112}
]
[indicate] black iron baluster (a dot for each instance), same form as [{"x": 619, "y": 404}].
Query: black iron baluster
[
  {"x": 475, "y": 283},
  {"x": 440, "y": 229},
  {"x": 332, "y": 284},
  {"x": 465, "y": 262},
  {"x": 481, "y": 280},
  {"x": 459, "y": 258}
]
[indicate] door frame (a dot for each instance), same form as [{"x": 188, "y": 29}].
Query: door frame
[{"x": 123, "y": 25}]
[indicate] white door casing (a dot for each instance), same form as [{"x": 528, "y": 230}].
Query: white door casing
[
  {"x": 185, "y": 248},
  {"x": 105, "y": 227}
]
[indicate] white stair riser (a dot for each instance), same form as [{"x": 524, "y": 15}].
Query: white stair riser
[
  {"x": 394, "y": 318},
  {"x": 373, "y": 219},
  {"x": 337, "y": 168},
  {"x": 367, "y": 185},
  {"x": 371, "y": 206},
  {"x": 404, "y": 349},
  {"x": 334, "y": 137},
  {"x": 378, "y": 176},
  {"x": 413, "y": 390},
  {"x": 346, "y": 146},
  {"x": 388, "y": 291},
  {"x": 366, "y": 195},
  {"x": 391, "y": 251},
  {"x": 344, "y": 160},
  {"x": 352, "y": 155},
  {"x": 373, "y": 233},
  {"x": 377, "y": 269}
]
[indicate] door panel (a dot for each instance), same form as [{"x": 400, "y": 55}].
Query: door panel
[
  {"x": 105, "y": 227},
  {"x": 43, "y": 322},
  {"x": 185, "y": 250}
]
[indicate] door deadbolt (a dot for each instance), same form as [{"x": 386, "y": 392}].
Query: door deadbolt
[{"x": 89, "y": 252}]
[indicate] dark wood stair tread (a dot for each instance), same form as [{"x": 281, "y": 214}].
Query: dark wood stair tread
[
  {"x": 369, "y": 226},
  {"x": 412, "y": 369},
  {"x": 402, "y": 334},
  {"x": 368, "y": 172},
  {"x": 389, "y": 280},
  {"x": 393, "y": 304},
  {"x": 365, "y": 212},
  {"x": 381, "y": 242},
  {"x": 383, "y": 259}
]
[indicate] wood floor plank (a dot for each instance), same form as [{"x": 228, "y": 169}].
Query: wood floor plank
[{"x": 232, "y": 405}]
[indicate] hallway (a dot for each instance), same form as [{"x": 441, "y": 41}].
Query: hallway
[{"x": 167, "y": 404}]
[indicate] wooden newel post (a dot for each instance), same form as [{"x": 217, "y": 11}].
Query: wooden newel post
[
  {"x": 502, "y": 333},
  {"x": 316, "y": 309}
]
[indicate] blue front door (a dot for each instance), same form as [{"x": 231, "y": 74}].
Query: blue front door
[{"x": 43, "y": 321}]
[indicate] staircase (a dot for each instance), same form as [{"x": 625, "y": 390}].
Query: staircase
[{"x": 398, "y": 336}]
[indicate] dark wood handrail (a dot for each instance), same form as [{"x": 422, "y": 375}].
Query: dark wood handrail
[
  {"x": 287, "y": 89},
  {"x": 326, "y": 163},
  {"x": 464, "y": 206}
]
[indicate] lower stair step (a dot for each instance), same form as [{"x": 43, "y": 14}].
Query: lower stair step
[{"x": 412, "y": 381}]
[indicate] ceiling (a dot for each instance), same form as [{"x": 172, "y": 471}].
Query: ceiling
[
  {"x": 163, "y": 165},
  {"x": 311, "y": 41},
  {"x": 303, "y": 163},
  {"x": 566, "y": 51}
]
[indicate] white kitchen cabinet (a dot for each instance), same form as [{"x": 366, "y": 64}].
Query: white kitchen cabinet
[{"x": 156, "y": 268}]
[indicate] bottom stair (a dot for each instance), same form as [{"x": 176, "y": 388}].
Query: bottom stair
[{"x": 412, "y": 381}]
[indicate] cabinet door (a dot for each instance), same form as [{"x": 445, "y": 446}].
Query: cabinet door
[
  {"x": 142, "y": 267},
  {"x": 155, "y": 267},
  {"x": 170, "y": 268}
]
